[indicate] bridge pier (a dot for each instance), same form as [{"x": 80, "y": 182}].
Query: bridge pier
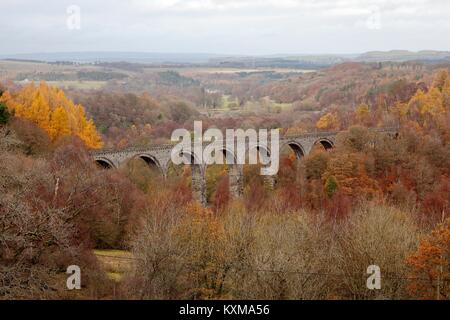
[
  {"x": 198, "y": 185},
  {"x": 236, "y": 183},
  {"x": 236, "y": 180}
]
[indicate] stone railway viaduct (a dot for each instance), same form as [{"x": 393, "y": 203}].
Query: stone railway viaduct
[{"x": 159, "y": 156}]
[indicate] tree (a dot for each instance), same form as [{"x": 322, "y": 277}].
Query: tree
[
  {"x": 59, "y": 123},
  {"x": 350, "y": 171},
  {"x": 380, "y": 235},
  {"x": 35, "y": 140},
  {"x": 361, "y": 113},
  {"x": 37, "y": 236},
  {"x": 440, "y": 79},
  {"x": 330, "y": 121},
  {"x": 4, "y": 114},
  {"x": 51, "y": 110},
  {"x": 90, "y": 136},
  {"x": 331, "y": 186},
  {"x": 316, "y": 164},
  {"x": 430, "y": 107},
  {"x": 430, "y": 265},
  {"x": 356, "y": 138}
]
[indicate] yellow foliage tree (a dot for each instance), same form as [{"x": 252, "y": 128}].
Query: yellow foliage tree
[
  {"x": 330, "y": 121},
  {"x": 89, "y": 134},
  {"x": 59, "y": 123},
  {"x": 424, "y": 107},
  {"x": 361, "y": 113},
  {"x": 51, "y": 110}
]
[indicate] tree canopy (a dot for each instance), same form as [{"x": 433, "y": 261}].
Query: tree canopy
[{"x": 51, "y": 110}]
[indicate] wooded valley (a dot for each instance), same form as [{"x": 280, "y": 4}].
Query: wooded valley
[{"x": 370, "y": 200}]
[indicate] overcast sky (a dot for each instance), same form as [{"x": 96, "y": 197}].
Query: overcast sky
[{"x": 224, "y": 26}]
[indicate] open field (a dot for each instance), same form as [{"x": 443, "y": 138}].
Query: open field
[
  {"x": 114, "y": 262},
  {"x": 78, "y": 84},
  {"x": 230, "y": 107},
  {"x": 9, "y": 70},
  {"x": 193, "y": 71},
  {"x": 12, "y": 68},
  {"x": 72, "y": 84}
]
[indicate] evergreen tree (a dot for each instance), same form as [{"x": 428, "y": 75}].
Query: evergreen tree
[{"x": 4, "y": 113}]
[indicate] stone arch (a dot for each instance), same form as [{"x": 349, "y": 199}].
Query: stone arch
[
  {"x": 193, "y": 161},
  {"x": 263, "y": 152},
  {"x": 326, "y": 143},
  {"x": 230, "y": 157},
  {"x": 297, "y": 148},
  {"x": 150, "y": 160},
  {"x": 104, "y": 163}
]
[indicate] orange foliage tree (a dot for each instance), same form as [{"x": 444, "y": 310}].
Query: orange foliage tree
[
  {"x": 430, "y": 265},
  {"x": 51, "y": 110},
  {"x": 350, "y": 174}
]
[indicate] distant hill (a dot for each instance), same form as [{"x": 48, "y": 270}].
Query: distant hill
[
  {"x": 281, "y": 61},
  {"x": 131, "y": 57},
  {"x": 326, "y": 60},
  {"x": 403, "y": 55},
  {"x": 300, "y": 61}
]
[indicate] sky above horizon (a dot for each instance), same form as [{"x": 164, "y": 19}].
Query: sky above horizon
[{"x": 224, "y": 26}]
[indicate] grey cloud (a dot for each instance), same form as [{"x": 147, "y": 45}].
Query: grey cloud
[{"x": 225, "y": 26}]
